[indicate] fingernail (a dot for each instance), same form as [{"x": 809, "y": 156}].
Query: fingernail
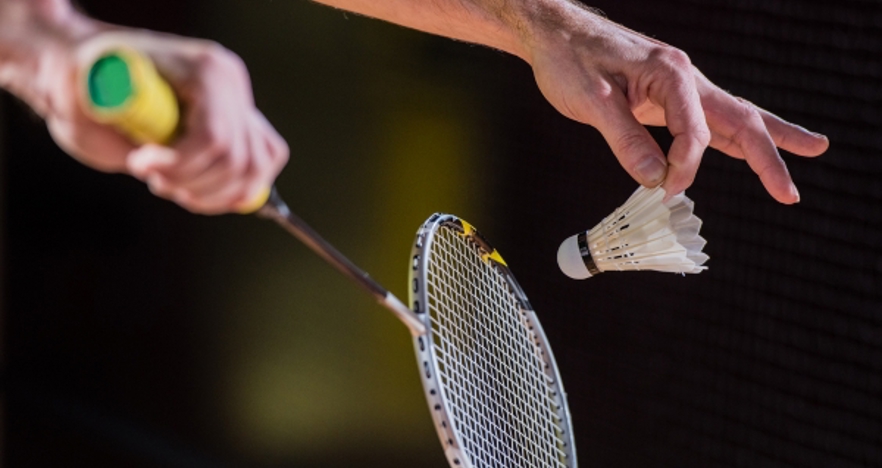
[
  {"x": 652, "y": 170},
  {"x": 794, "y": 192},
  {"x": 667, "y": 197},
  {"x": 820, "y": 135}
]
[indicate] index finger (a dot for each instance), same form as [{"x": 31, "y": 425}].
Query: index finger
[{"x": 684, "y": 115}]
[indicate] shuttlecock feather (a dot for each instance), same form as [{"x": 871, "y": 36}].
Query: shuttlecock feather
[{"x": 646, "y": 233}]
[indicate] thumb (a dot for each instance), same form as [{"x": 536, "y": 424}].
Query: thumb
[
  {"x": 150, "y": 158},
  {"x": 633, "y": 146}
]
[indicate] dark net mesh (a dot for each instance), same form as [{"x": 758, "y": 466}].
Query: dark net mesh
[{"x": 773, "y": 357}]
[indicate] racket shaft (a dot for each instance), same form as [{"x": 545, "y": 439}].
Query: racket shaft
[
  {"x": 276, "y": 209},
  {"x": 155, "y": 103}
]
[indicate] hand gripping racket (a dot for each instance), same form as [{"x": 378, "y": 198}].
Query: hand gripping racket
[{"x": 490, "y": 379}]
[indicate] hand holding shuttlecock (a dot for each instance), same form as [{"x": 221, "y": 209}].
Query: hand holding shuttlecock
[{"x": 646, "y": 233}]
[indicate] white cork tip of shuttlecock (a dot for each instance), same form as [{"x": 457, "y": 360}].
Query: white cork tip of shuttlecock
[{"x": 569, "y": 259}]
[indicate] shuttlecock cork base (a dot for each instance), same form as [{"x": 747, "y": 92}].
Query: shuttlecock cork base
[{"x": 646, "y": 233}]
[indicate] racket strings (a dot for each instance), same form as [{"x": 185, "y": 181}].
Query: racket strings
[
  {"x": 502, "y": 403},
  {"x": 490, "y": 400},
  {"x": 482, "y": 359}
]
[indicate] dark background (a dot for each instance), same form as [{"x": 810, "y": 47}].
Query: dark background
[{"x": 136, "y": 334}]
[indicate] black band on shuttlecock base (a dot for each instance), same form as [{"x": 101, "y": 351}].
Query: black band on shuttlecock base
[{"x": 582, "y": 239}]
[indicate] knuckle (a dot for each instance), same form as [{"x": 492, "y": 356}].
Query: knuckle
[
  {"x": 630, "y": 143},
  {"x": 747, "y": 111},
  {"x": 675, "y": 58},
  {"x": 215, "y": 142},
  {"x": 212, "y": 51},
  {"x": 282, "y": 152},
  {"x": 671, "y": 66},
  {"x": 747, "y": 117},
  {"x": 209, "y": 53},
  {"x": 213, "y": 54},
  {"x": 702, "y": 135},
  {"x": 236, "y": 164},
  {"x": 234, "y": 64}
]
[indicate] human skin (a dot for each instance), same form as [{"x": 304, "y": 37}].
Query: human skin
[
  {"x": 591, "y": 69},
  {"x": 602, "y": 74},
  {"x": 228, "y": 153}
]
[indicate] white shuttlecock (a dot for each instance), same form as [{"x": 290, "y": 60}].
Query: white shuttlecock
[{"x": 645, "y": 233}]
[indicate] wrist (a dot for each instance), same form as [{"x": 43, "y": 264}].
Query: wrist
[
  {"x": 28, "y": 24},
  {"x": 543, "y": 22},
  {"x": 31, "y": 31}
]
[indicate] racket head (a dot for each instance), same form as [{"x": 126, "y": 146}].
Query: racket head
[{"x": 490, "y": 378}]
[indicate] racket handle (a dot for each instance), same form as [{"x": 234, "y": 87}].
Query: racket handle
[{"x": 124, "y": 90}]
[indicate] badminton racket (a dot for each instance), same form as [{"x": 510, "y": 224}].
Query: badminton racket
[{"x": 490, "y": 379}]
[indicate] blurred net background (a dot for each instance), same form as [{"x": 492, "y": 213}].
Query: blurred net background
[{"x": 136, "y": 334}]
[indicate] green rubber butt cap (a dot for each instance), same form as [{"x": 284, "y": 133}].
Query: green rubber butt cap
[{"x": 110, "y": 83}]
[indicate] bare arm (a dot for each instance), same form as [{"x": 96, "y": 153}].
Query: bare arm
[
  {"x": 499, "y": 24},
  {"x": 605, "y": 75},
  {"x": 228, "y": 153},
  {"x": 591, "y": 69},
  {"x": 29, "y": 33}
]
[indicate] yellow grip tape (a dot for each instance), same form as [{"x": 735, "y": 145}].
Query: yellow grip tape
[{"x": 124, "y": 90}]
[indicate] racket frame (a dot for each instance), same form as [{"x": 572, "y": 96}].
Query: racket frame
[
  {"x": 424, "y": 343},
  {"x": 416, "y": 319}
]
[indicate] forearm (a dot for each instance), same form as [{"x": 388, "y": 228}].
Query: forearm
[
  {"x": 513, "y": 26},
  {"x": 31, "y": 30}
]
